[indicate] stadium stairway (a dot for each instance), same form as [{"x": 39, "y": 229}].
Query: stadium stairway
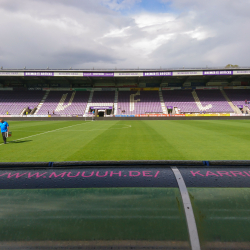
[
  {"x": 89, "y": 101},
  {"x": 115, "y": 102},
  {"x": 61, "y": 103},
  {"x": 164, "y": 109},
  {"x": 245, "y": 110},
  {"x": 42, "y": 101},
  {"x": 22, "y": 112},
  {"x": 198, "y": 103},
  {"x": 235, "y": 108},
  {"x": 132, "y": 100}
]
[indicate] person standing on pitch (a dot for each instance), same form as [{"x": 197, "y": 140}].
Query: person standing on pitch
[{"x": 4, "y": 126}]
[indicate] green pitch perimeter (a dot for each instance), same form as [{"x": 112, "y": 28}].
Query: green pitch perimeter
[{"x": 127, "y": 140}]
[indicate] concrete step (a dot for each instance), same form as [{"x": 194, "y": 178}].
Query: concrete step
[
  {"x": 115, "y": 102},
  {"x": 61, "y": 106},
  {"x": 89, "y": 101},
  {"x": 198, "y": 103},
  {"x": 42, "y": 101},
  {"x": 163, "y": 106},
  {"x": 234, "y": 108}
]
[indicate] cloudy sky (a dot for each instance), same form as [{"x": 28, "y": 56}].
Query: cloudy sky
[{"x": 103, "y": 34}]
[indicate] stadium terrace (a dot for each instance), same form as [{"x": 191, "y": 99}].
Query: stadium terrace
[
  {"x": 125, "y": 93},
  {"x": 129, "y": 180}
]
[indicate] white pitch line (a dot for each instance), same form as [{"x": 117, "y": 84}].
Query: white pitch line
[
  {"x": 45, "y": 132},
  {"x": 128, "y": 126}
]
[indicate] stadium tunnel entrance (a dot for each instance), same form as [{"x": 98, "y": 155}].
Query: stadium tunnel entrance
[{"x": 101, "y": 111}]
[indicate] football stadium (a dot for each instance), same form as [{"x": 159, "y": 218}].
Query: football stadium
[
  {"x": 125, "y": 159},
  {"x": 126, "y": 115}
]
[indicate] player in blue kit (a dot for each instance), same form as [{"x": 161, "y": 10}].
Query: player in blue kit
[{"x": 4, "y": 126}]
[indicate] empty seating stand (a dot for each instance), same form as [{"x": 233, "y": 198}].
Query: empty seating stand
[
  {"x": 138, "y": 102},
  {"x": 65, "y": 103},
  {"x": 239, "y": 96},
  {"x": 128, "y": 102},
  {"x": 210, "y": 101},
  {"x": 181, "y": 99},
  {"x": 103, "y": 98},
  {"x": 14, "y": 102},
  {"x": 215, "y": 99}
]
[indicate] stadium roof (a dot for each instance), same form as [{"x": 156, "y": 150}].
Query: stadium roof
[
  {"x": 89, "y": 77},
  {"x": 133, "y": 69}
]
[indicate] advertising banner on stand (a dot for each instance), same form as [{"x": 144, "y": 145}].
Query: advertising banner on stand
[
  {"x": 241, "y": 72},
  {"x": 215, "y": 114},
  {"x": 157, "y": 73},
  {"x": 124, "y": 115},
  {"x": 152, "y": 115},
  {"x": 224, "y": 72},
  {"x": 58, "y": 89},
  {"x": 151, "y": 89},
  {"x": 101, "y": 107},
  {"x": 6, "y": 89},
  {"x": 38, "y": 73},
  {"x": 128, "y": 74},
  {"x": 123, "y": 89},
  {"x": 170, "y": 88},
  {"x": 82, "y": 89},
  {"x": 72, "y": 74},
  {"x": 136, "y": 89},
  {"x": 11, "y": 73},
  {"x": 187, "y": 73},
  {"x": 207, "y": 88},
  {"x": 98, "y": 74}
]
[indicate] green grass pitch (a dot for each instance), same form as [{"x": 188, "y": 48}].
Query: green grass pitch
[{"x": 127, "y": 140}]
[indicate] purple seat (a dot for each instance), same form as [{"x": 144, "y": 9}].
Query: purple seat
[
  {"x": 216, "y": 99},
  {"x": 14, "y": 102},
  {"x": 239, "y": 96},
  {"x": 181, "y": 99},
  {"x": 103, "y": 97},
  {"x": 212, "y": 100},
  {"x": 77, "y": 106},
  {"x": 145, "y": 102}
]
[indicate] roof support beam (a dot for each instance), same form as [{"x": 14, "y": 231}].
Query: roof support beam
[
  {"x": 91, "y": 81},
  {"x": 185, "y": 79},
  {"x": 68, "y": 80},
  {"x": 163, "y": 78},
  {"x": 233, "y": 78},
  {"x": 209, "y": 79},
  {"x": 115, "y": 81},
  {"x": 43, "y": 80}
]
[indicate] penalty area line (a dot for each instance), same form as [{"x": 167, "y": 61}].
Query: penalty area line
[{"x": 45, "y": 133}]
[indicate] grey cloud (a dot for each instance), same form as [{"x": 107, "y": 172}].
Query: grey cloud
[
  {"x": 85, "y": 6},
  {"x": 84, "y": 56},
  {"x": 63, "y": 33},
  {"x": 120, "y": 4},
  {"x": 190, "y": 52},
  {"x": 226, "y": 25}
]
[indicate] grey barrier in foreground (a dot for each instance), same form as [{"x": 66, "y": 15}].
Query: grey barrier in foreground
[{"x": 125, "y": 205}]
